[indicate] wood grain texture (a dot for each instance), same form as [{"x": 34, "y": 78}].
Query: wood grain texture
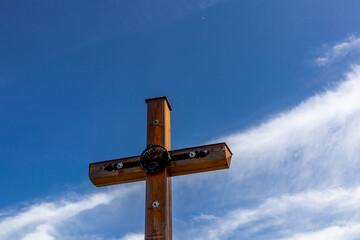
[
  {"x": 99, "y": 177},
  {"x": 219, "y": 158},
  {"x": 158, "y": 220}
]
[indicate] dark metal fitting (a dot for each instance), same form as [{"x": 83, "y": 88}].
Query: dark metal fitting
[
  {"x": 109, "y": 167},
  {"x": 154, "y": 158},
  {"x": 203, "y": 153}
]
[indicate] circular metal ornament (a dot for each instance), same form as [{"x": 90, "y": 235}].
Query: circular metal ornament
[{"x": 154, "y": 158}]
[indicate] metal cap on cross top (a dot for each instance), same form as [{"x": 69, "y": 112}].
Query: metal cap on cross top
[{"x": 157, "y": 164}]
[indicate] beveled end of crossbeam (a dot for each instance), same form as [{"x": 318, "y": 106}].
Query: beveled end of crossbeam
[
  {"x": 162, "y": 97},
  {"x": 219, "y": 157}
]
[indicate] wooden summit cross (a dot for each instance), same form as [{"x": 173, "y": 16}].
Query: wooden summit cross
[{"x": 156, "y": 165}]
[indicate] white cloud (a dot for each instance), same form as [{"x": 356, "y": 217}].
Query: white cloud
[
  {"x": 314, "y": 144},
  {"x": 51, "y": 212},
  {"x": 348, "y": 232},
  {"x": 40, "y": 221},
  {"x": 43, "y": 232},
  {"x": 339, "y": 50},
  {"x": 311, "y": 154},
  {"x": 133, "y": 236},
  {"x": 310, "y": 211},
  {"x": 203, "y": 217}
]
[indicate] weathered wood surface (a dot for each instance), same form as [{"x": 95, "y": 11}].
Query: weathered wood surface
[
  {"x": 158, "y": 220},
  {"x": 219, "y": 157}
]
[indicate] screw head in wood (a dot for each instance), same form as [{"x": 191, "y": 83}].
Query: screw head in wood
[
  {"x": 155, "y": 204},
  {"x": 156, "y": 122},
  {"x": 192, "y": 154},
  {"x": 119, "y": 165}
]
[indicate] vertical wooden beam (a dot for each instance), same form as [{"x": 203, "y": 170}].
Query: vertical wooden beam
[{"x": 158, "y": 219}]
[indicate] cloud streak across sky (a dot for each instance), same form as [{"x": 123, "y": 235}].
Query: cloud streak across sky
[
  {"x": 302, "y": 166},
  {"x": 338, "y": 51},
  {"x": 306, "y": 160},
  {"x": 328, "y": 210},
  {"x": 314, "y": 141},
  {"x": 41, "y": 221}
]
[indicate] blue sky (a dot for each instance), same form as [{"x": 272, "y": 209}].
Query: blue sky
[{"x": 279, "y": 81}]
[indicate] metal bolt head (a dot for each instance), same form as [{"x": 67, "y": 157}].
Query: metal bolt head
[
  {"x": 155, "y": 204},
  {"x": 192, "y": 154},
  {"x": 119, "y": 165},
  {"x": 155, "y": 122}
]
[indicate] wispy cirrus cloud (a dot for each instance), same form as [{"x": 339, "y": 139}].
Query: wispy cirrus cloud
[
  {"x": 42, "y": 221},
  {"x": 315, "y": 144},
  {"x": 317, "y": 140},
  {"x": 302, "y": 168},
  {"x": 350, "y": 231},
  {"x": 329, "y": 213},
  {"x": 339, "y": 50},
  {"x": 133, "y": 236}
]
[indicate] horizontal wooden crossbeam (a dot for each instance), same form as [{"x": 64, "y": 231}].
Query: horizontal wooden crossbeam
[{"x": 219, "y": 157}]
